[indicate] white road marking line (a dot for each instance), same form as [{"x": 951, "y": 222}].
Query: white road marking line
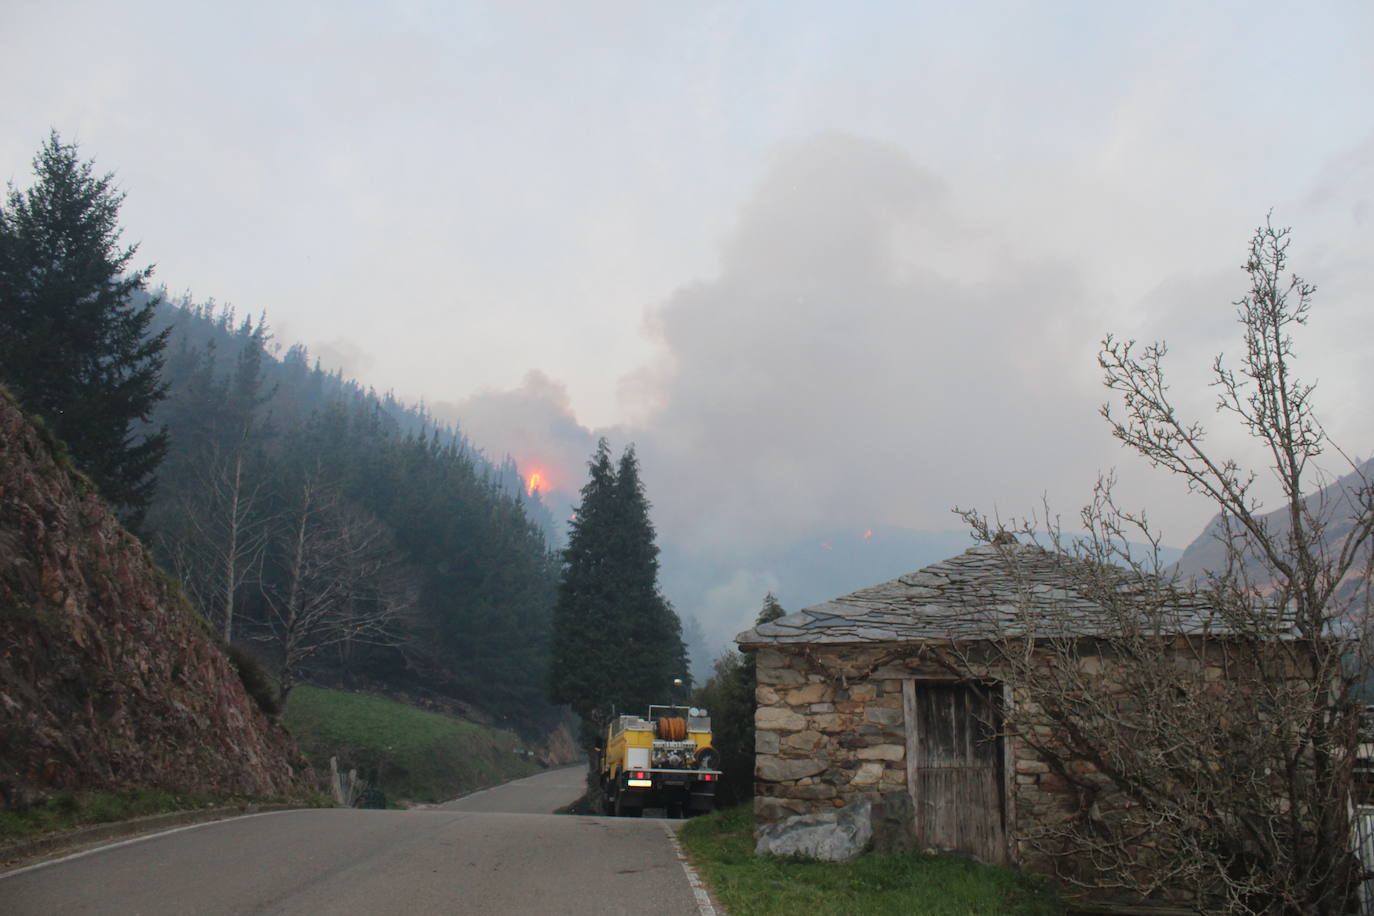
[
  {"x": 698, "y": 888},
  {"x": 139, "y": 839}
]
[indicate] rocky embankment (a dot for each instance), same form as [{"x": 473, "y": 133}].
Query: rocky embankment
[{"x": 108, "y": 678}]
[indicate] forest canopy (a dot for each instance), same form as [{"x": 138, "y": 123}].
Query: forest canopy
[{"x": 344, "y": 537}]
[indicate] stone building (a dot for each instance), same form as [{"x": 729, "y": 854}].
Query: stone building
[{"x": 867, "y": 719}]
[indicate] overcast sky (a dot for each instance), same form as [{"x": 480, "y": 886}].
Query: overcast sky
[{"x": 832, "y": 266}]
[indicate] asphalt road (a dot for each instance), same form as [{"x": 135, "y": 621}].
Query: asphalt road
[
  {"x": 481, "y": 854},
  {"x": 539, "y": 794}
]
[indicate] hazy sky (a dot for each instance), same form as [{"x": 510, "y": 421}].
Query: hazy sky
[{"x": 831, "y": 266}]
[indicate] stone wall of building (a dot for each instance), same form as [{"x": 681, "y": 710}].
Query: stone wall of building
[
  {"x": 829, "y": 730},
  {"x": 831, "y": 733}
]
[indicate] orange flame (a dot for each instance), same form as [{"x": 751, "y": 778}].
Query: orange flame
[{"x": 536, "y": 479}]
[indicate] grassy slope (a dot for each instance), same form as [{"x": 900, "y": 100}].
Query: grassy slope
[
  {"x": 417, "y": 755},
  {"x": 721, "y": 846}
]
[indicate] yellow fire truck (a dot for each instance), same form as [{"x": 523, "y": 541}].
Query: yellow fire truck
[{"x": 664, "y": 760}]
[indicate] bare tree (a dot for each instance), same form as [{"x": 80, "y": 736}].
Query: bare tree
[
  {"x": 1205, "y": 731},
  {"x": 226, "y": 534},
  {"x": 341, "y": 581}
]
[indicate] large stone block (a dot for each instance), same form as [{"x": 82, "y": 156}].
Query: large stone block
[
  {"x": 769, "y": 658},
  {"x": 778, "y": 718},
  {"x": 781, "y": 677},
  {"x": 805, "y": 742},
  {"x": 766, "y": 742},
  {"x": 868, "y": 774},
  {"x": 883, "y": 716},
  {"x": 863, "y": 692},
  {"x": 780, "y": 769},
  {"x": 830, "y": 721},
  {"x": 881, "y": 752},
  {"x": 811, "y": 693},
  {"x": 765, "y": 696},
  {"x": 832, "y": 836}
]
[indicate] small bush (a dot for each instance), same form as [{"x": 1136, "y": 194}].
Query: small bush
[{"x": 255, "y": 679}]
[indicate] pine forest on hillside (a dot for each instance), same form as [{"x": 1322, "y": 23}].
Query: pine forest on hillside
[
  {"x": 331, "y": 534},
  {"x": 341, "y": 536}
]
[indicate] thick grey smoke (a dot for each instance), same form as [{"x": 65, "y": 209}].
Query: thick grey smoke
[
  {"x": 870, "y": 355},
  {"x": 864, "y": 358}
]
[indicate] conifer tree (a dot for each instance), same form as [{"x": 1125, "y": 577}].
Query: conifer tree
[
  {"x": 74, "y": 333},
  {"x": 729, "y": 695},
  {"x": 584, "y": 616},
  {"x": 617, "y": 644},
  {"x": 656, "y": 632}
]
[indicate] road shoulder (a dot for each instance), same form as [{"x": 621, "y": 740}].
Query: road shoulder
[{"x": 29, "y": 851}]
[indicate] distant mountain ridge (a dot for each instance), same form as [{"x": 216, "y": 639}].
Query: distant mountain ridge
[{"x": 1334, "y": 502}]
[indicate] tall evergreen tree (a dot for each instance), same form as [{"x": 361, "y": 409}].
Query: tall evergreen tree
[
  {"x": 655, "y": 629},
  {"x": 74, "y": 333},
  {"x": 617, "y": 644},
  {"x": 581, "y": 665},
  {"x": 729, "y": 695}
]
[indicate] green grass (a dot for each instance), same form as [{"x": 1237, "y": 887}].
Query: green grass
[
  {"x": 417, "y": 755},
  {"x": 82, "y": 809},
  {"x": 721, "y": 846}
]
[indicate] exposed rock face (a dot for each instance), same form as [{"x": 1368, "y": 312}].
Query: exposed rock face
[{"x": 108, "y": 679}]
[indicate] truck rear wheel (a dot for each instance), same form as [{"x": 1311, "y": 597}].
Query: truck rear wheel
[{"x": 624, "y": 810}]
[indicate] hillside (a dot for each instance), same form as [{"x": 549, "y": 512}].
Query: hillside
[
  {"x": 403, "y": 753},
  {"x": 344, "y": 538},
  {"x": 1333, "y": 503},
  {"x": 108, "y": 679}
]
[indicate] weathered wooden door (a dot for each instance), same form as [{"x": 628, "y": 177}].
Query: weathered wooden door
[{"x": 955, "y": 766}]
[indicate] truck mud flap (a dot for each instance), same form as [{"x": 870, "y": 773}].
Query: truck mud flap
[{"x": 702, "y": 802}]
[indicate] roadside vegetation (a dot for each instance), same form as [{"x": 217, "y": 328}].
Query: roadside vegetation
[
  {"x": 721, "y": 846},
  {"x": 403, "y": 753},
  {"x": 72, "y": 810}
]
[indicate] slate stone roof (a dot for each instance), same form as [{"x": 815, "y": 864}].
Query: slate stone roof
[{"x": 983, "y": 592}]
